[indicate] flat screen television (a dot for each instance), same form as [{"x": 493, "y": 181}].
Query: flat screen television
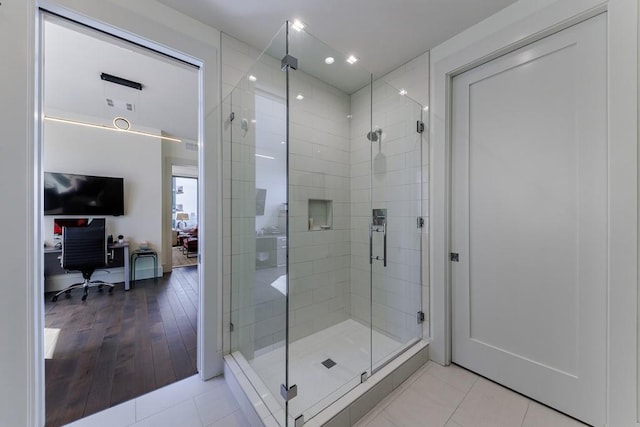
[{"x": 71, "y": 194}]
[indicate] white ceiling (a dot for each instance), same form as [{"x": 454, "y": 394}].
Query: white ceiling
[
  {"x": 384, "y": 34},
  {"x": 74, "y": 59}
]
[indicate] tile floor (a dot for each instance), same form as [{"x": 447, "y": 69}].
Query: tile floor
[
  {"x": 455, "y": 397},
  {"x": 433, "y": 396},
  {"x": 187, "y": 403}
]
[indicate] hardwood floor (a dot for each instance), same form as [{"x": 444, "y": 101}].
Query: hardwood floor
[
  {"x": 112, "y": 348},
  {"x": 179, "y": 259}
]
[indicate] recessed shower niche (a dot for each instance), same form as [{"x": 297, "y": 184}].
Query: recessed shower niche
[{"x": 320, "y": 215}]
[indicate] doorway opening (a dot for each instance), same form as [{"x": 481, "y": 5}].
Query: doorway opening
[
  {"x": 114, "y": 110},
  {"x": 184, "y": 216}
]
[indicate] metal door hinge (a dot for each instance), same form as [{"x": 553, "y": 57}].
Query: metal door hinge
[
  {"x": 420, "y": 222},
  {"x": 230, "y": 327},
  {"x": 363, "y": 377},
  {"x": 420, "y": 316},
  {"x": 288, "y": 393},
  {"x": 455, "y": 257},
  {"x": 420, "y": 126},
  {"x": 232, "y": 116},
  {"x": 289, "y": 61}
]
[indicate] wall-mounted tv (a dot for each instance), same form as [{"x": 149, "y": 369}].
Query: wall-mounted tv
[{"x": 71, "y": 194}]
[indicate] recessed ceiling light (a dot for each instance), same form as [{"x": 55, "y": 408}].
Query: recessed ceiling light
[
  {"x": 282, "y": 142},
  {"x": 349, "y": 116},
  {"x": 297, "y": 25},
  {"x": 252, "y": 78},
  {"x": 426, "y": 108},
  {"x": 300, "y": 97},
  {"x": 402, "y": 92},
  {"x": 329, "y": 60},
  {"x": 352, "y": 59},
  {"x": 121, "y": 123}
]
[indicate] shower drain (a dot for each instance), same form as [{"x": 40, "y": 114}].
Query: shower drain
[{"x": 329, "y": 363}]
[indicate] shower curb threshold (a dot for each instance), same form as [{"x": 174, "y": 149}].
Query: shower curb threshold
[{"x": 345, "y": 411}]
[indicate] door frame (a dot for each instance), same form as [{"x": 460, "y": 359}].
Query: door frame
[
  {"x": 512, "y": 28},
  {"x": 175, "y": 43}
]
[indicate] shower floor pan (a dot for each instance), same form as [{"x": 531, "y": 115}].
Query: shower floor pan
[{"x": 346, "y": 343}]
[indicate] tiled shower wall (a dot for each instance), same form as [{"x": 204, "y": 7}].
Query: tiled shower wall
[
  {"x": 399, "y": 183},
  {"x": 319, "y": 263},
  {"x": 414, "y": 78}
]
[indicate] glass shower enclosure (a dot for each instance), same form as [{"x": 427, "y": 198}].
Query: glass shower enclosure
[{"x": 323, "y": 230}]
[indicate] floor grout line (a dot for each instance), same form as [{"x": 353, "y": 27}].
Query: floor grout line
[
  {"x": 461, "y": 400},
  {"x": 525, "y": 413}
]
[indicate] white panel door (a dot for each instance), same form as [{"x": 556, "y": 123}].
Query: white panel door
[{"x": 529, "y": 220}]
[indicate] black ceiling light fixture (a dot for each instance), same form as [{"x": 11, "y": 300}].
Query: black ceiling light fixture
[{"x": 121, "y": 81}]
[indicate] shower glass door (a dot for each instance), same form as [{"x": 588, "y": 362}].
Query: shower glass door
[
  {"x": 329, "y": 301},
  {"x": 254, "y": 138},
  {"x": 395, "y": 222}
]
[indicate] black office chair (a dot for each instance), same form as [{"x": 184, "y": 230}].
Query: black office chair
[{"x": 84, "y": 249}]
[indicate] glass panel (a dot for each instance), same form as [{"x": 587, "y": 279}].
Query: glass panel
[
  {"x": 396, "y": 181},
  {"x": 329, "y": 313},
  {"x": 256, "y": 127},
  {"x": 325, "y": 169}
]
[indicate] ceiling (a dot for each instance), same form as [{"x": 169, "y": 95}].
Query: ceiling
[
  {"x": 384, "y": 34},
  {"x": 76, "y": 56}
]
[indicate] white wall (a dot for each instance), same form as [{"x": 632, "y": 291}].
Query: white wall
[
  {"x": 137, "y": 159},
  {"x": 21, "y": 365},
  {"x": 18, "y": 263}
]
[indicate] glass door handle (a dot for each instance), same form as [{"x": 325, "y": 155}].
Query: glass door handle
[
  {"x": 384, "y": 239},
  {"x": 384, "y": 243}
]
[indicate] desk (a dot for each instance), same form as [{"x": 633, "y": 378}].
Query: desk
[
  {"x": 270, "y": 250},
  {"x": 119, "y": 257}
]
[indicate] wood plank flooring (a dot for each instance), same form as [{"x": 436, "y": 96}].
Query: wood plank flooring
[
  {"x": 112, "y": 348},
  {"x": 179, "y": 259}
]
